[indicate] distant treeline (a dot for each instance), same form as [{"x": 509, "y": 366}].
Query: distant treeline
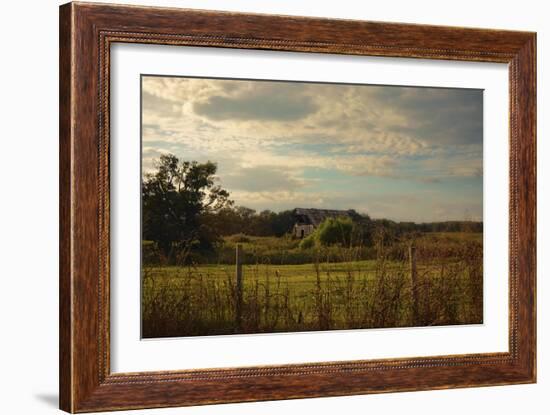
[
  {"x": 234, "y": 220},
  {"x": 240, "y": 219},
  {"x": 184, "y": 209}
]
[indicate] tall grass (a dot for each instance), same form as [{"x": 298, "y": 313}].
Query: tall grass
[{"x": 194, "y": 300}]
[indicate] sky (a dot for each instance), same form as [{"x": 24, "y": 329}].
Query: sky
[{"x": 402, "y": 153}]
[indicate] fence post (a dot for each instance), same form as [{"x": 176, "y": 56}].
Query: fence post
[
  {"x": 414, "y": 282},
  {"x": 239, "y": 286}
]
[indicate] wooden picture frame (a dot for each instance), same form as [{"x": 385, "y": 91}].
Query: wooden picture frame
[{"x": 86, "y": 33}]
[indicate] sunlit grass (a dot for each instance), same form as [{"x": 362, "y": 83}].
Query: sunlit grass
[{"x": 201, "y": 299}]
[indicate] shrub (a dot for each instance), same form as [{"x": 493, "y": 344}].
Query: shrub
[
  {"x": 150, "y": 253},
  {"x": 240, "y": 238},
  {"x": 308, "y": 243},
  {"x": 335, "y": 231}
]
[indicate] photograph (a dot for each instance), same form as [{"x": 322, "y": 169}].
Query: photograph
[
  {"x": 273, "y": 206},
  {"x": 287, "y": 208}
]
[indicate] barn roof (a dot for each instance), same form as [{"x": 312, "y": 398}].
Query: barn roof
[{"x": 316, "y": 216}]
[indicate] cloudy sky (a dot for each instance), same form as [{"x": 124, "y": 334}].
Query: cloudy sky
[{"x": 403, "y": 153}]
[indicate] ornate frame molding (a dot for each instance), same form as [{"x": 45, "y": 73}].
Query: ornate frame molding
[{"x": 87, "y": 31}]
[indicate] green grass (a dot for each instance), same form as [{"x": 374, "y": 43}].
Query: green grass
[
  {"x": 202, "y": 299},
  {"x": 300, "y": 277},
  {"x": 286, "y": 250}
]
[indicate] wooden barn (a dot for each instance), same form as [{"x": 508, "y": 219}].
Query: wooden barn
[{"x": 307, "y": 220}]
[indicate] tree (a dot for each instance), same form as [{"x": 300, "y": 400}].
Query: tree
[
  {"x": 283, "y": 222},
  {"x": 335, "y": 231},
  {"x": 363, "y": 229},
  {"x": 175, "y": 200}
]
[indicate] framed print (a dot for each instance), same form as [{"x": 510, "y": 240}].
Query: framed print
[{"x": 261, "y": 207}]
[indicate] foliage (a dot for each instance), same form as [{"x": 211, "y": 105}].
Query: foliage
[
  {"x": 240, "y": 219},
  {"x": 333, "y": 231},
  {"x": 176, "y": 199},
  {"x": 239, "y": 238},
  {"x": 308, "y": 242},
  {"x": 352, "y": 272},
  {"x": 187, "y": 215},
  {"x": 343, "y": 231}
]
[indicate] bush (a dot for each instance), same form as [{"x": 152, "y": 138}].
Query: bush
[
  {"x": 308, "y": 243},
  {"x": 335, "y": 231},
  {"x": 150, "y": 253},
  {"x": 240, "y": 238}
]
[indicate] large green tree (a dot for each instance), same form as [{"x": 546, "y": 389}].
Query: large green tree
[{"x": 176, "y": 198}]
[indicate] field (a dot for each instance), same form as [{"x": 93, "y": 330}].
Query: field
[{"x": 286, "y": 288}]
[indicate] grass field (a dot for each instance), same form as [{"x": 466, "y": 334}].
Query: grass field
[{"x": 337, "y": 290}]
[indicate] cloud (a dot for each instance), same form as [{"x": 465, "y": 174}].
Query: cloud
[
  {"x": 281, "y": 200},
  {"x": 409, "y": 118},
  {"x": 430, "y": 180},
  {"x": 364, "y": 165},
  {"x": 154, "y": 103},
  {"x": 261, "y": 179},
  {"x": 465, "y": 171},
  {"x": 442, "y": 116},
  {"x": 279, "y": 144},
  {"x": 271, "y": 104},
  {"x": 466, "y": 163}
]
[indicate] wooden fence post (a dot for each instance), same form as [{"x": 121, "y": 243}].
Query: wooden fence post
[
  {"x": 414, "y": 281},
  {"x": 239, "y": 286}
]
